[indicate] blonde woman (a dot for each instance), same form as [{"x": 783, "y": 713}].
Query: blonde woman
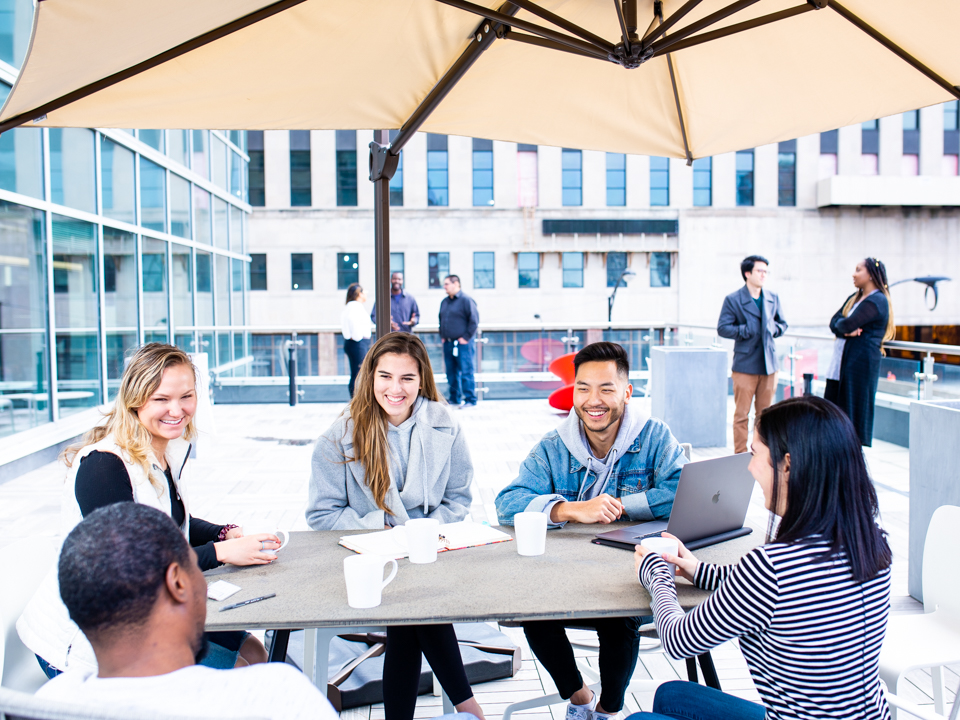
[
  {"x": 396, "y": 453},
  {"x": 862, "y": 325},
  {"x": 138, "y": 454}
]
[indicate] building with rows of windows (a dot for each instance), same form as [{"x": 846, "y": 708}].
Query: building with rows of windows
[{"x": 108, "y": 239}]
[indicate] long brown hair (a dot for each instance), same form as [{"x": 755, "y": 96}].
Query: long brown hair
[
  {"x": 370, "y": 446},
  {"x": 140, "y": 380},
  {"x": 878, "y": 275}
]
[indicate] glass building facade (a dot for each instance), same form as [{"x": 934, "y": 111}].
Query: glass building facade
[{"x": 109, "y": 239}]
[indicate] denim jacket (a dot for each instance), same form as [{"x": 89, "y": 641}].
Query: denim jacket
[{"x": 645, "y": 478}]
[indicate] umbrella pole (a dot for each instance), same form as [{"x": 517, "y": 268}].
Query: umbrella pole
[{"x": 381, "y": 224}]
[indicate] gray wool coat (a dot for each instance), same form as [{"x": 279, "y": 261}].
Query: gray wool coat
[{"x": 439, "y": 474}]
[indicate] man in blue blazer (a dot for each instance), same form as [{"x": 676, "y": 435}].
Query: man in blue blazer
[{"x": 752, "y": 318}]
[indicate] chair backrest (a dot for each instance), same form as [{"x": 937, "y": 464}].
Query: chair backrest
[
  {"x": 941, "y": 562},
  {"x": 23, "y": 572}
]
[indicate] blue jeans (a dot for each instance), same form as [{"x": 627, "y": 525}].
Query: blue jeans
[
  {"x": 460, "y": 371},
  {"x": 680, "y": 700},
  {"x": 356, "y": 351}
]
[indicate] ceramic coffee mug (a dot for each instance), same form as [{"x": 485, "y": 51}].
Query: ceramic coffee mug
[
  {"x": 531, "y": 532},
  {"x": 663, "y": 546},
  {"x": 364, "y": 576},
  {"x": 423, "y": 539},
  {"x": 284, "y": 536}
]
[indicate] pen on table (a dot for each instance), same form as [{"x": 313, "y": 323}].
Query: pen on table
[{"x": 248, "y": 602}]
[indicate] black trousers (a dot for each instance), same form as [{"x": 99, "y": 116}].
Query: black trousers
[
  {"x": 619, "y": 645},
  {"x": 356, "y": 351},
  {"x": 401, "y": 667}
]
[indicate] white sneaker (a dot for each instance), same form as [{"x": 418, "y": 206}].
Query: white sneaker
[
  {"x": 594, "y": 715},
  {"x": 581, "y": 712}
]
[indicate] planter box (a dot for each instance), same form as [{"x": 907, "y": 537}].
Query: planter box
[
  {"x": 934, "y": 480},
  {"x": 689, "y": 393}
]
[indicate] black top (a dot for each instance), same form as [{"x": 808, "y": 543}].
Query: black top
[
  {"x": 459, "y": 317},
  {"x": 102, "y": 480}
]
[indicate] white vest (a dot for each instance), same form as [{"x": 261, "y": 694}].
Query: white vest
[{"x": 45, "y": 626}]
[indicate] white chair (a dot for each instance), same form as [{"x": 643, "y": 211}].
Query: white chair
[
  {"x": 23, "y": 571},
  {"x": 932, "y": 639},
  {"x": 898, "y": 703}
]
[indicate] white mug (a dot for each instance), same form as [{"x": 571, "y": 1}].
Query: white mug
[
  {"x": 423, "y": 539},
  {"x": 663, "y": 546},
  {"x": 364, "y": 576},
  {"x": 531, "y": 532},
  {"x": 284, "y": 536}
]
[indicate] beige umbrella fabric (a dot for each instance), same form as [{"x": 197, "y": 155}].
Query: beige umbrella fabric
[{"x": 325, "y": 64}]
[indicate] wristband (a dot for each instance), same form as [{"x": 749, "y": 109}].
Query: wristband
[{"x": 223, "y": 532}]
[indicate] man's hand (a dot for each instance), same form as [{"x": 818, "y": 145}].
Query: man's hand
[
  {"x": 462, "y": 341},
  {"x": 602, "y": 509},
  {"x": 393, "y": 325}
]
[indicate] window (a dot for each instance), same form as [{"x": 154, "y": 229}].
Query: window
[
  {"x": 117, "y": 186},
  {"x": 526, "y": 175},
  {"x": 744, "y": 165},
  {"x": 301, "y": 271},
  {"x": 153, "y": 272},
  {"x": 911, "y": 143},
  {"x": 438, "y": 267},
  {"x": 256, "y": 179},
  {"x": 300, "y": 195},
  {"x": 572, "y": 177},
  {"x": 787, "y": 174},
  {"x": 528, "y": 267},
  {"x": 396, "y": 182},
  {"x": 616, "y": 264},
  {"x": 703, "y": 182},
  {"x": 258, "y": 271},
  {"x": 660, "y": 269},
  {"x": 659, "y": 181},
  {"x": 178, "y": 146},
  {"x": 396, "y": 263},
  {"x": 200, "y": 162},
  {"x": 438, "y": 194},
  {"x": 482, "y": 172},
  {"x": 346, "y": 168},
  {"x": 616, "y": 180},
  {"x": 483, "y": 270},
  {"x": 828, "y": 153},
  {"x": 573, "y": 269},
  {"x": 348, "y": 270},
  {"x": 951, "y": 137},
  {"x": 72, "y": 175},
  {"x": 153, "y": 138},
  {"x": 152, "y": 196},
  {"x": 869, "y": 147},
  {"x": 179, "y": 206}
]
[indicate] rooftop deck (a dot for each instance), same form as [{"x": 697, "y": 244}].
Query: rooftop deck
[{"x": 254, "y": 469}]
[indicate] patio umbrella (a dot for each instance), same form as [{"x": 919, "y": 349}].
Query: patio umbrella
[{"x": 676, "y": 78}]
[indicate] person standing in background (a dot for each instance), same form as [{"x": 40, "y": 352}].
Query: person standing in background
[
  {"x": 356, "y": 329},
  {"x": 862, "y": 325},
  {"x": 459, "y": 320},
  {"x": 404, "y": 313},
  {"x": 752, "y": 318}
]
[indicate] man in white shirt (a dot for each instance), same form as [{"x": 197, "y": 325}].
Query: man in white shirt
[{"x": 132, "y": 584}]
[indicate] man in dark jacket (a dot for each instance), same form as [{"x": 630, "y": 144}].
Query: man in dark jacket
[
  {"x": 404, "y": 313},
  {"x": 753, "y": 319},
  {"x": 458, "y": 329}
]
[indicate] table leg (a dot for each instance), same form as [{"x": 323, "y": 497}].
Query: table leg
[
  {"x": 710, "y": 678},
  {"x": 278, "y": 649},
  {"x": 692, "y": 675}
]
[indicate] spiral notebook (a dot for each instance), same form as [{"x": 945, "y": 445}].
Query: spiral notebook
[{"x": 453, "y": 536}]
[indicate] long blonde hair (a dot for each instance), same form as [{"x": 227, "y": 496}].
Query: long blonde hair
[
  {"x": 878, "y": 275},
  {"x": 370, "y": 445},
  {"x": 140, "y": 380}
]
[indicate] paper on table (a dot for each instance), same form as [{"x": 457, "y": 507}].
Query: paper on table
[
  {"x": 221, "y": 590},
  {"x": 453, "y": 536}
]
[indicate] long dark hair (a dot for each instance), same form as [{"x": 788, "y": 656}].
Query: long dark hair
[{"x": 829, "y": 492}]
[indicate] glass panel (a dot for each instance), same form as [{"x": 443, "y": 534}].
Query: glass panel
[
  {"x": 178, "y": 146},
  {"x": 787, "y": 179},
  {"x": 483, "y": 270},
  {"x": 572, "y": 177},
  {"x": 236, "y": 175},
  {"x": 22, "y": 277},
  {"x": 201, "y": 162},
  {"x": 346, "y": 177},
  {"x": 238, "y": 274},
  {"x": 152, "y": 196},
  {"x": 702, "y": 182},
  {"x": 23, "y": 382},
  {"x": 72, "y": 177},
  {"x": 182, "y": 285},
  {"x": 659, "y": 269},
  {"x": 223, "y": 290},
  {"x": 154, "y": 264},
  {"x": 185, "y": 341},
  {"x": 21, "y": 161},
  {"x": 616, "y": 264},
  {"x": 236, "y": 229},
  {"x": 78, "y": 372},
  {"x": 745, "y": 178},
  {"x": 201, "y": 215},
  {"x": 659, "y": 181},
  {"x": 153, "y": 138},
  {"x": 437, "y": 179},
  {"x": 396, "y": 183},
  {"x": 396, "y": 262},
  {"x": 179, "y": 206},
  {"x": 74, "y": 273},
  {"x": 204, "y": 290},
  {"x": 438, "y": 267},
  {"x": 348, "y": 270},
  {"x": 117, "y": 182},
  {"x": 219, "y": 162},
  {"x": 118, "y": 344},
  {"x": 220, "y": 224},
  {"x": 573, "y": 269},
  {"x": 223, "y": 348},
  {"x": 482, "y": 177},
  {"x": 528, "y": 266},
  {"x": 120, "y": 279},
  {"x": 207, "y": 346},
  {"x": 16, "y": 22},
  {"x": 258, "y": 271},
  {"x": 616, "y": 179}
]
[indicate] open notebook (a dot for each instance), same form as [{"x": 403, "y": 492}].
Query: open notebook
[{"x": 453, "y": 536}]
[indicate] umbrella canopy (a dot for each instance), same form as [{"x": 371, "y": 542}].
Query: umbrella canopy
[{"x": 325, "y": 64}]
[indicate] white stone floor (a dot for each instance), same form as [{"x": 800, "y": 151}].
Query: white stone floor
[{"x": 253, "y": 471}]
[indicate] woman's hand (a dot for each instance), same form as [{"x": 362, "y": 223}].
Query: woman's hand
[
  {"x": 234, "y": 533},
  {"x": 855, "y": 333},
  {"x": 686, "y": 563},
  {"x": 248, "y": 550}
]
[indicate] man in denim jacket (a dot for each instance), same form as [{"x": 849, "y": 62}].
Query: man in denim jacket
[{"x": 604, "y": 463}]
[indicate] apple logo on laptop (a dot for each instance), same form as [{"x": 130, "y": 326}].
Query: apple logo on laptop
[{"x": 716, "y": 498}]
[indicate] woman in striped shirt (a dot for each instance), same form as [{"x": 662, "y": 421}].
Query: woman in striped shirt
[{"x": 810, "y": 606}]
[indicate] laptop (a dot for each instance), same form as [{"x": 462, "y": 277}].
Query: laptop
[{"x": 709, "y": 508}]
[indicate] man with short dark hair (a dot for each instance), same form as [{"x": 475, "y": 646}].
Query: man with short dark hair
[
  {"x": 607, "y": 461},
  {"x": 752, "y": 318},
  {"x": 132, "y": 584},
  {"x": 459, "y": 320},
  {"x": 404, "y": 313}
]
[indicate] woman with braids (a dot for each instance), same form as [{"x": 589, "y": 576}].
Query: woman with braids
[
  {"x": 862, "y": 325},
  {"x": 396, "y": 454}
]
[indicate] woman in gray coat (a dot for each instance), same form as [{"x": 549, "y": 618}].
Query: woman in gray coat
[{"x": 395, "y": 454}]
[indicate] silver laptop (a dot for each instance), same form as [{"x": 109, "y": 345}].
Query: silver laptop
[{"x": 710, "y": 506}]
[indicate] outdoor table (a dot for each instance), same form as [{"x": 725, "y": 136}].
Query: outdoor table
[{"x": 573, "y": 579}]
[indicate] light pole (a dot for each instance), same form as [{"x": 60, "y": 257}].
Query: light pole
[
  {"x": 625, "y": 273},
  {"x": 931, "y": 284}
]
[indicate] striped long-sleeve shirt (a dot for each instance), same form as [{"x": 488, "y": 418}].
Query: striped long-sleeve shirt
[{"x": 810, "y": 633}]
